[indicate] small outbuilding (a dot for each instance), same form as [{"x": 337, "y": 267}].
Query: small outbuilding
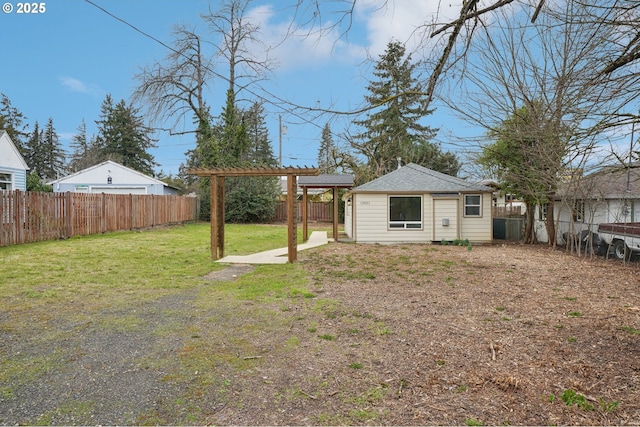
[
  {"x": 13, "y": 168},
  {"x": 414, "y": 204},
  {"x": 112, "y": 178}
]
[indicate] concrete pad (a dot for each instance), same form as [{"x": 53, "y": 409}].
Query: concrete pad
[{"x": 277, "y": 256}]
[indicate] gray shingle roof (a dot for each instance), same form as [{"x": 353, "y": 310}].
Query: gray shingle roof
[
  {"x": 326, "y": 181},
  {"x": 412, "y": 177}
]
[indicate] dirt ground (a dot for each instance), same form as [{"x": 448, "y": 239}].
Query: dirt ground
[
  {"x": 383, "y": 335},
  {"x": 425, "y": 335}
]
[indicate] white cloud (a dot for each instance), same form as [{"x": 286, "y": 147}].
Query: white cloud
[
  {"x": 294, "y": 47},
  {"x": 407, "y": 21},
  {"x": 373, "y": 24},
  {"x": 76, "y": 85}
]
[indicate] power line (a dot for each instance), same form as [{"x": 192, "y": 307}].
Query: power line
[{"x": 260, "y": 97}]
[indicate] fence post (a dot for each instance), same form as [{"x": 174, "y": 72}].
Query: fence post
[
  {"x": 68, "y": 214},
  {"x": 20, "y": 219}
]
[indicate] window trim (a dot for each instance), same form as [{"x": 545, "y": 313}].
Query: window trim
[
  {"x": 9, "y": 181},
  {"x": 407, "y": 225},
  {"x": 466, "y": 205}
]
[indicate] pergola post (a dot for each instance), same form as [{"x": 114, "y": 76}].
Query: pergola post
[
  {"x": 216, "y": 184},
  {"x": 305, "y": 226},
  {"x": 221, "y": 216},
  {"x": 335, "y": 214},
  {"x": 292, "y": 221}
]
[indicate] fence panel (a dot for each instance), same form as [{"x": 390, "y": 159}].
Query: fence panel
[
  {"x": 316, "y": 211},
  {"x": 27, "y": 217}
]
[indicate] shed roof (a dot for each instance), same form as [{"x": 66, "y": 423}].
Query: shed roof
[
  {"x": 416, "y": 178},
  {"x": 326, "y": 181}
]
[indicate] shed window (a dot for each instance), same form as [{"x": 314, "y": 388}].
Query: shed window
[
  {"x": 5, "y": 181},
  {"x": 405, "y": 212},
  {"x": 578, "y": 210},
  {"x": 472, "y": 205}
]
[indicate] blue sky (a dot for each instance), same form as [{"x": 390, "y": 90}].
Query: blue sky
[{"x": 62, "y": 63}]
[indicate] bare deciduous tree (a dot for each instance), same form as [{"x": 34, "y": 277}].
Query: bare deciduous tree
[{"x": 548, "y": 69}]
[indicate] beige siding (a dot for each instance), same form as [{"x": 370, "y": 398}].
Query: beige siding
[
  {"x": 478, "y": 229},
  {"x": 372, "y": 218}
]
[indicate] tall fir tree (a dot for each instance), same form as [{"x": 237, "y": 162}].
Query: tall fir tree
[
  {"x": 123, "y": 137},
  {"x": 394, "y": 128},
  {"x": 33, "y": 152},
  {"x": 325, "y": 152},
  {"x": 86, "y": 152},
  {"x": 53, "y": 165},
  {"x": 44, "y": 153},
  {"x": 260, "y": 152},
  {"x": 12, "y": 121}
]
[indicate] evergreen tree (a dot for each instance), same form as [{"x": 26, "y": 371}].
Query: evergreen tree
[
  {"x": 11, "y": 121},
  {"x": 44, "y": 153},
  {"x": 33, "y": 153},
  {"x": 235, "y": 141},
  {"x": 84, "y": 152},
  {"x": 393, "y": 129},
  {"x": 80, "y": 149},
  {"x": 260, "y": 151},
  {"x": 325, "y": 152},
  {"x": 123, "y": 137},
  {"x": 53, "y": 153}
]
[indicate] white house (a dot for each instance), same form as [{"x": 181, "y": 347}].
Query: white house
[
  {"x": 611, "y": 194},
  {"x": 416, "y": 204},
  {"x": 13, "y": 168},
  {"x": 111, "y": 178}
]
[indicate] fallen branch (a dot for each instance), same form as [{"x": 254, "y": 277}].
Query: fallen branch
[
  {"x": 308, "y": 395},
  {"x": 493, "y": 351}
]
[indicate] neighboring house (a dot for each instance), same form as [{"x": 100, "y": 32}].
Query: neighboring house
[
  {"x": 416, "y": 204},
  {"x": 314, "y": 194},
  {"x": 111, "y": 178},
  {"x": 611, "y": 194},
  {"x": 13, "y": 168},
  {"x": 505, "y": 204},
  {"x": 320, "y": 187}
]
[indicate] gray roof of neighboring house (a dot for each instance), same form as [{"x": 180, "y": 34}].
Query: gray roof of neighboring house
[
  {"x": 326, "y": 181},
  {"x": 416, "y": 178},
  {"x": 608, "y": 183}
]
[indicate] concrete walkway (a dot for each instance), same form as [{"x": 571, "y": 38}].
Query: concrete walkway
[{"x": 277, "y": 256}]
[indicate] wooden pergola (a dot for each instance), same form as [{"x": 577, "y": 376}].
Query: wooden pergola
[
  {"x": 324, "y": 181},
  {"x": 217, "y": 177}
]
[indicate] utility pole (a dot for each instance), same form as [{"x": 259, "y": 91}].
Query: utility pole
[{"x": 282, "y": 130}]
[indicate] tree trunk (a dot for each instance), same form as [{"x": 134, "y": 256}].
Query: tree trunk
[
  {"x": 529, "y": 237},
  {"x": 550, "y": 224}
]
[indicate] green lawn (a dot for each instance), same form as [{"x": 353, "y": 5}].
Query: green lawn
[
  {"x": 111, "y": 283},
  {"x": 105, "y": 269}
]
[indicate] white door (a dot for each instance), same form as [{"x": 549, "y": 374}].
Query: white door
[{"x": 445, "y": 219}]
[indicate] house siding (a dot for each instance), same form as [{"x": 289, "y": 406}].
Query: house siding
[
  {"x": 112, "y": 178},
  {"x": 18, "y": 178},
  {"x": 595, "y": 212},
  {"x": 366, "y": 220},
  {"x": 478, "y": 229}
]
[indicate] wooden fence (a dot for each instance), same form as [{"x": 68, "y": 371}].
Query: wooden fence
[
  {"x": 27, "y": 217},
  {"x": 316, "y": 211}
]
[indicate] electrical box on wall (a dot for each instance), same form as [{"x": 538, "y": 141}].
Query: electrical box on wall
[{"x": 445, "y": 222}]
